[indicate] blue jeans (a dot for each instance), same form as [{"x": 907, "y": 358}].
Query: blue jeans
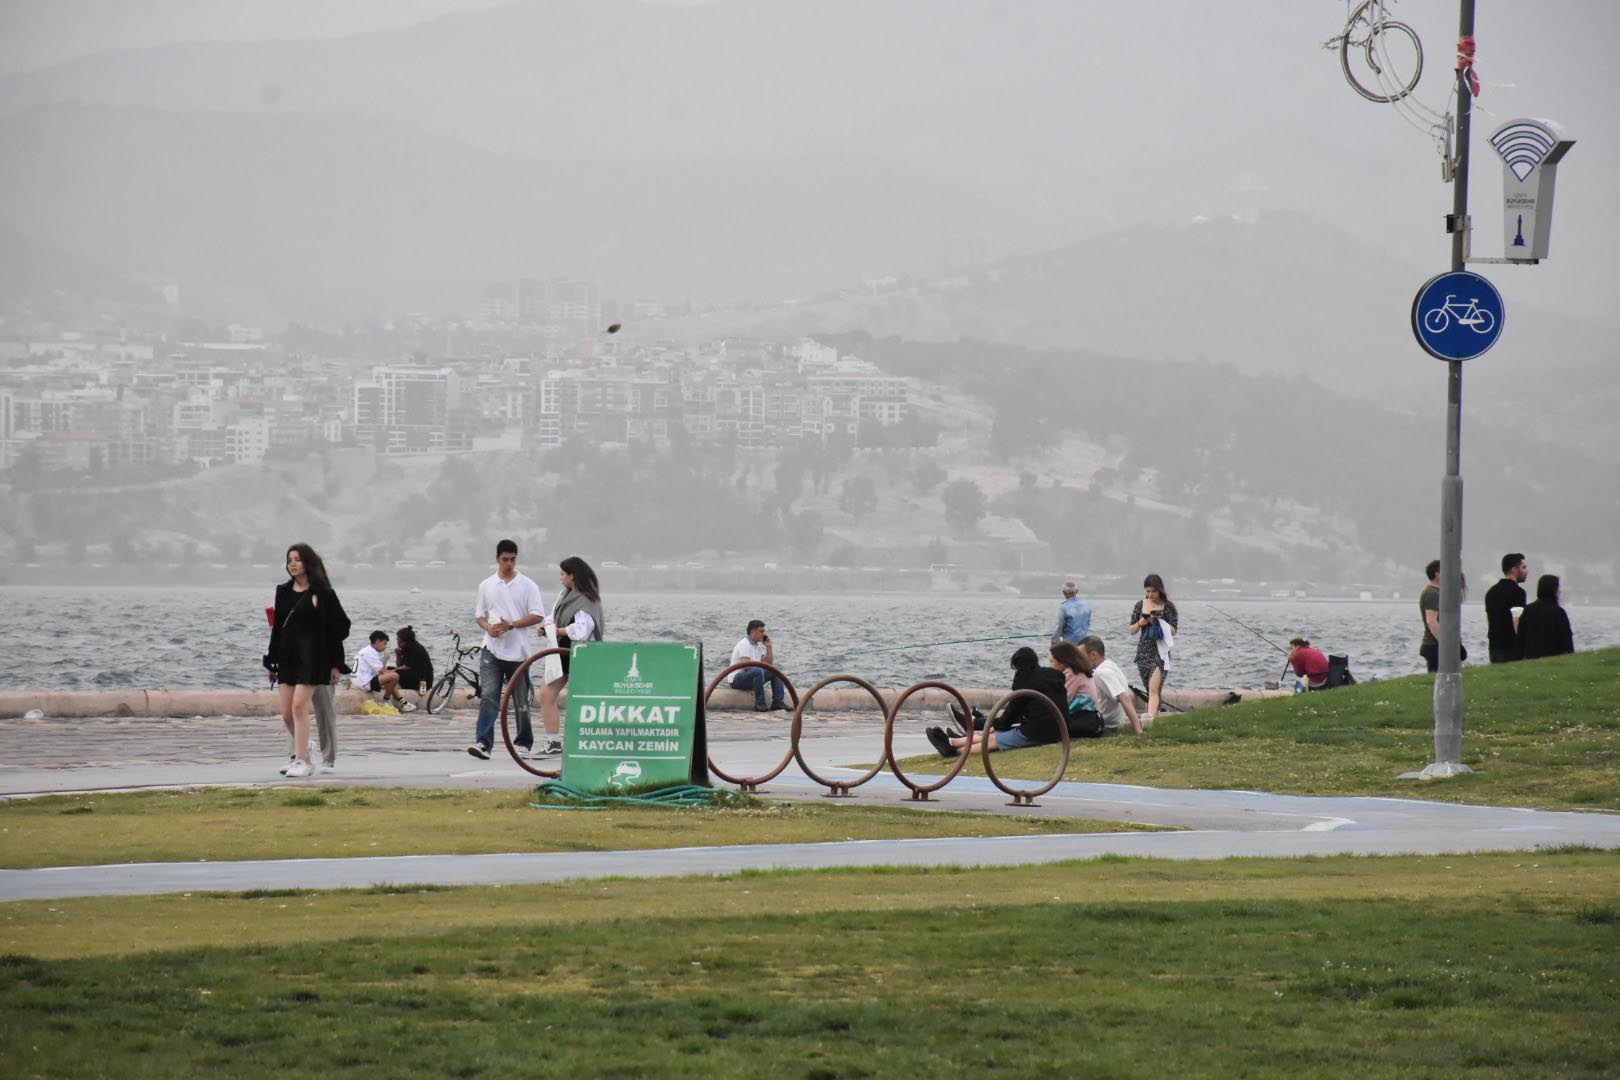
[
  {"x": 1014, "y": 739},
  {"x": 492, "y": 675},
  {"x": 755, "y": 679}
]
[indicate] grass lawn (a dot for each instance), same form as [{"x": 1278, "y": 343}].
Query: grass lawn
[
  {"x": 1543, "y": 733},
  {"x": 1483, "y": 965},
  {"x": 277, "y": 823}
]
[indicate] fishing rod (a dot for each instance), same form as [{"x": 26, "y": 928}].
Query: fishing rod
[
  {"x": 958, "y": 641},
  {"x": 1251, "y": 630}
]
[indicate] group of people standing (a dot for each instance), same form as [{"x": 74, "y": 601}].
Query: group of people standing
[
  {"x": 1516, "y": 628},
  {"x": 509, "y": 606},
  {"x": 308, "y": 627}
]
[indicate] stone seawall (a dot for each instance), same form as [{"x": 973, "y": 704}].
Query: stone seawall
[{"x": 266, "y": 702}]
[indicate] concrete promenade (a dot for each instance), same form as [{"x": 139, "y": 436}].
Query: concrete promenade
[{"x": 62, "y": 755}]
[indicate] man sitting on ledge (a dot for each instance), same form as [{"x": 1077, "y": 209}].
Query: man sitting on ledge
[{"x": 756, "y": 645}]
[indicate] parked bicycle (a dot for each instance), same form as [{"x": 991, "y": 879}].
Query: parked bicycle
[{"x": 439, "y": 697}]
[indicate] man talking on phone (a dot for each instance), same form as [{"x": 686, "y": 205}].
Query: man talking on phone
[{"x": 756, "y": 645}]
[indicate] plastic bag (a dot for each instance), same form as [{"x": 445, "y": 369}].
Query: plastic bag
[
  {"x": 551, "y": 666},
  {"x": 369, "y": 707}
]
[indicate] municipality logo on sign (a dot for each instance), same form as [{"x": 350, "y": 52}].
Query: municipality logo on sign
[
  {"x": 632, "y": 680},
  {"x": 1523, "y": 145}
]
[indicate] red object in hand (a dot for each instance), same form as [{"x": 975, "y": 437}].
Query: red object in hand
[{"x": 270, "y": 617}]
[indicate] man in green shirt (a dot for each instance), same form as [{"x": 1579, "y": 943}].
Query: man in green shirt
[{"x": 1429, "y": 609}]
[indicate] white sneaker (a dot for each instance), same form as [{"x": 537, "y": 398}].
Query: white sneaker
[
  {"x": 298, "y": 769},
  {"x": 405, "y": 706},
  {"x": 284, "y": 768}
]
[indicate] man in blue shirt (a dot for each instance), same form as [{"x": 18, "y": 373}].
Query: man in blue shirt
[{"x": 1074, "y": 616}]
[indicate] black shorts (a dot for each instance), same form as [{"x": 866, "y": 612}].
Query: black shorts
[{"x": 375, "y": 685}]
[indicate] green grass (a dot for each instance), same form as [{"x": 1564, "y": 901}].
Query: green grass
[
  {"x": 1486, "y": 965},
  {"x": 275, "y": 823},
  {"x": 1543, "y": 733}
]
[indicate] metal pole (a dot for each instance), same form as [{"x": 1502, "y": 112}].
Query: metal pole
[{"x": 1448, "y": 686}]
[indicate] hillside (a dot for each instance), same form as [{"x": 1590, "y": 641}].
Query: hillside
[
  {"x": 1044, "y": 461},
  {"x": 330, "y": 217}
]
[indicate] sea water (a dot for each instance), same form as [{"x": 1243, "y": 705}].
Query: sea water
[{"x": 66, "y": 638}]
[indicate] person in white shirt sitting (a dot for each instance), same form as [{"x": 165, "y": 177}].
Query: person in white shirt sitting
[
  {"x": 372, "y": 673},
  {"x": 1115, "y": 701},
  {"x": 756, "y": 645}
]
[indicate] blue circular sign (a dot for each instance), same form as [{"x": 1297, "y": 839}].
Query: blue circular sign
[{"x": 1457, "y": 316}]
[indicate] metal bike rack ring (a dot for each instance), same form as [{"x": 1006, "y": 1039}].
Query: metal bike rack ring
[
  {"x": 506, "y": 730},
  {"x": 1026, "y": 798},
  {"x": 919, "y": 792},
  {"x": 750, "y": 785},
  {"x": 837, "y": 789}
]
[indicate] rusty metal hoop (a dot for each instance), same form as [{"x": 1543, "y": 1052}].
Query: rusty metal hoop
[
  {"x": 920, "y": 792},
  {"x": 506, "y": 699},
  {"x": 837, "y": 789},
  {"x": 751, "y": 784},
  {"x": 1025, "y": 798}
]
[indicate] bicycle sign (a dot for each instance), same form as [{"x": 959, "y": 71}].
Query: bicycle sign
[{"x": 1457, "y": 316}]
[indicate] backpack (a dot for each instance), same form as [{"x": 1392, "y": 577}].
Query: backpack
[{"x": 1339, "y": 672}]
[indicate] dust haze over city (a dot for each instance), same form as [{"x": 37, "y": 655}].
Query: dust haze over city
[{"x": 909, "y": 295}]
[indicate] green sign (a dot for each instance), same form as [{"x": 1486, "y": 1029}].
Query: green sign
[{"x": 634, "y": 716}]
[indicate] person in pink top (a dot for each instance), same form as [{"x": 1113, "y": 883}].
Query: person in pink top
[
  {"x": 1309, "y": 664},
  {"x": 1084, "y": 720}
]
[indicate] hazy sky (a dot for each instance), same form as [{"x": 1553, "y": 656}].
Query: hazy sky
[
  {"x": 37, "y": 33},
  {"x": 1107, "y": 113}
]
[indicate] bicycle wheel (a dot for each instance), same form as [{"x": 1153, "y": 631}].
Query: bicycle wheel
[
  {"x": 1387, "y": 49},
  {"x": 1483, "y": 322},
  {"x": 1435, "y": 320},
  {"x": 439, "y": 696}
]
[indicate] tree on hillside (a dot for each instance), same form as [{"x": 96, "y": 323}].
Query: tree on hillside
[
  {"x": 927, "y": 476},
  {"x": 789, "y": 481},
  {"x": 964, "y": 505},
  {"x": 859, "y": 497}
]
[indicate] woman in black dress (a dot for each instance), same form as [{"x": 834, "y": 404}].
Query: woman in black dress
[
  {"x": 1154, "y": 607},
  {"x": 306, "y": 645},
  {"x": 1544, "y": 628}
]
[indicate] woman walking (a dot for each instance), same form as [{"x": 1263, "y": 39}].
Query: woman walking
[
  {"x": 1154, "y": 623},
  {"x": 306, "y": 645},
  {"x": 577, "y": 616}
]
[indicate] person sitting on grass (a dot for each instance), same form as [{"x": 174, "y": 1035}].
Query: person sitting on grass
[
  {"x": 1024, "y": 722},
  {"x": 1115, "y": 702},
  {"x": 1085, "y": 722},
  {"x": 372, "y": 674},
  {"x": 1309, "y": 663}
]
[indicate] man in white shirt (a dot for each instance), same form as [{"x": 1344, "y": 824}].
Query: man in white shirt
[
  {"x": 756, "y": 645},
  {"x": 508, "y": 604},
  {"x": 1115, "y": 701},
  {"x": 372, "y": 674}
]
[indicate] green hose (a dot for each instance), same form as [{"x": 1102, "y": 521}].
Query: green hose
[{"x": 678, "y": 795}]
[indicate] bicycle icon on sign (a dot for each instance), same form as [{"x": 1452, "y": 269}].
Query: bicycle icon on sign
[{"x": 1436, "y": 320}]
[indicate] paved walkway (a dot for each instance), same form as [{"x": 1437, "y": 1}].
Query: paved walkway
[{"x": 59, "y": 756}]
